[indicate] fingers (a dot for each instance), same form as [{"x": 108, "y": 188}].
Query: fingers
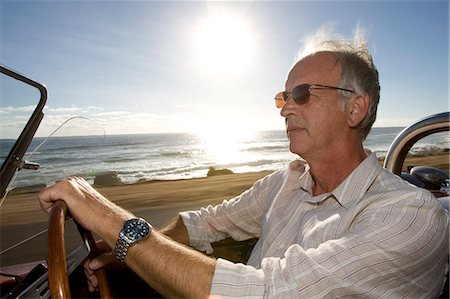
[
  {"x": 86, "y": 205},
  {"x": 79, "y": 196},
  {"x": 92, "y": 265},
  {"x": 58, "y": 191},
  {"x": 43, "y": 202},
  {"x": 90, "y": 275},
  {"x": 102, "y": 260}
]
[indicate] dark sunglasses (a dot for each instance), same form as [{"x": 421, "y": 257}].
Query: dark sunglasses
[{"x": 300, "y": 94}]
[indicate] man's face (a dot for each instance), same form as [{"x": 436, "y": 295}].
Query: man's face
[{"x": 315, "y": 127}]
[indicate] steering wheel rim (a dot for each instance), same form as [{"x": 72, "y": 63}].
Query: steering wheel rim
[{"x": 58, "y": 278}]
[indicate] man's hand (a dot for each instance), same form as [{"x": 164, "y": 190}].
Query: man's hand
[
  {"x": 87, "y": 206},
  {"x": 92, "y": 211},
  {"x": 104, "y": 258},
  {"x": 171, "y": 268}
]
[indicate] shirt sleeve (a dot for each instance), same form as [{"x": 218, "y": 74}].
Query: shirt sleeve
[
  {"x": 239, "y": 218},
  {"x": 393, "y": 250}
]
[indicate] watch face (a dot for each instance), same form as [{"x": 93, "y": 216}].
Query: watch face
[{"x": 136, "y": 229}]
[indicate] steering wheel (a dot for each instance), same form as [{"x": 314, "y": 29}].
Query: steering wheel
[{"x": 58, "y": 279}]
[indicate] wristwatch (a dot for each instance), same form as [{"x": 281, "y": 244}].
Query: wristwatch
[{"x": 133, "y": 231}]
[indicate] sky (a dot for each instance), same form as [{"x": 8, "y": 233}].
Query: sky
[{"x": 210, "y": 67}]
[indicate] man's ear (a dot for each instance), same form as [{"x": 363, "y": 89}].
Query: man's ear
[{"x": 358, "y": 109}]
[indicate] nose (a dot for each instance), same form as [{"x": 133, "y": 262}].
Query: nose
[{"x": 288, "y": 108}]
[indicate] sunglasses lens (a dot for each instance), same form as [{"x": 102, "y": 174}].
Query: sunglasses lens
[
  {"x": 280, "y": 99},
  {"x": 300, "y": 94}
]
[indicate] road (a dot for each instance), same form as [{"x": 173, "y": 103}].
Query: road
[{"x": 36, "y": 249}]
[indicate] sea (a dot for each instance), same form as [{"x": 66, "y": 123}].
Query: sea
[{"x": 146, "y": 157}]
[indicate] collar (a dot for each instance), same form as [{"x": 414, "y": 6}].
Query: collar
[
  {"x": 350, "y": 191},
  {"x": 355, "y": 186}
]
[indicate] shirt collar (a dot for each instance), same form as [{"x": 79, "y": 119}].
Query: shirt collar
[
  {"x": 351, "y": 190},
  {"x": 355, "y": 186}
]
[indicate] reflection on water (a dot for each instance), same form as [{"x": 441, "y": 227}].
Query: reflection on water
[{"x": 181, "y": 155}]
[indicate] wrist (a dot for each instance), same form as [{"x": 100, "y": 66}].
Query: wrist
[
  {"x": 109, "y": 229},
  {"x": 133, "y": 231}
]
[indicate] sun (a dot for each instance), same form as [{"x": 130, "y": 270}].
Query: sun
[{"x": 223, "y": 44}]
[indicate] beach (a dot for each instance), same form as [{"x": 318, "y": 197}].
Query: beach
[
  {"x": 23, "y": 208},
  {"x": 157, "y": 201}
]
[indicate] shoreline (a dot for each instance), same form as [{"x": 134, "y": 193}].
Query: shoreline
[{"x": 22, "y": 206}]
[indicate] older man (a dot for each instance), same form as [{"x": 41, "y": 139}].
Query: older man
[{"x": 333, "y": 224}]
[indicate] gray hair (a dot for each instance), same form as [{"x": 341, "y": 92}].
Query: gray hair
[{"x": 357, "y": 69}]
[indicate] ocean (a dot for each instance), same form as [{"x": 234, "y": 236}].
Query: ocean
[{"x": 177, "y": 155}]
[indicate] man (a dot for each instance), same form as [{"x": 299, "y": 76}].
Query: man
[{"x": 333, "y": 224}]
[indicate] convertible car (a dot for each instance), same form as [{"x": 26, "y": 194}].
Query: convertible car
[{"x": 60, "y": 274}]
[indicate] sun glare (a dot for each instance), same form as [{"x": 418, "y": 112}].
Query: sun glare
[
  {"x": 222, "y": 140},
  {"x": 223, "y": 44}
]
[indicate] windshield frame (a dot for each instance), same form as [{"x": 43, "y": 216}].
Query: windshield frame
[{"x": 14, "y": 159}]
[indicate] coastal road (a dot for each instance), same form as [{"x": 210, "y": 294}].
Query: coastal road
[
  {"x": 36, "y": 249},
  {"x": 158, "y": 202}
]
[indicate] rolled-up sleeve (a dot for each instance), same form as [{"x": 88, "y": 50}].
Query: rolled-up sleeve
[
  {"x": 392, "y": 250},
  {"x": 239, "y": 218}
]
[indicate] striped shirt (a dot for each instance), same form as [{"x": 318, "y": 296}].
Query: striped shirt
[{"x": 374, "y": 236}]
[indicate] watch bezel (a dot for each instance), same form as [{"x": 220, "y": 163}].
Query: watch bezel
[
  {"x": 128, "y": 236},
  {"x": 130, "y": 226}
]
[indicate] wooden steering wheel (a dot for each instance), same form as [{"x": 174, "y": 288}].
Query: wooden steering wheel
[{"x": 58, "y": 279}]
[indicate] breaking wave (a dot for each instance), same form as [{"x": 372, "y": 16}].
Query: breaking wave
[{"x": 180, "y": 156}]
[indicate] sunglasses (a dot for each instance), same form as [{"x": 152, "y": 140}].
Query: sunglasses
[{"x": 300, "y": 94}]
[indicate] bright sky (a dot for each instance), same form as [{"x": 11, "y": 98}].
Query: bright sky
[{"x": 146, "y": 66}]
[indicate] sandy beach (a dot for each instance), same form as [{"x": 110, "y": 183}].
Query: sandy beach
[
  {"x": 23, "y": 208},
  {"x": 157, "y": 201}
]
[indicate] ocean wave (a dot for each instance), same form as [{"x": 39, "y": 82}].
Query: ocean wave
[
  {"x": 428, "y": 150},
  {"x": 146, "y": 172},
  {"x": 51, "y": 146},
  {"x": 267, "y": 148},
  {"x": 416, "y": 151},
  {"x": 176, "y": 154},
  {"x": 191, "y": 171},
  {"x": 44, "y": 160},
  {"x": 255, "y": 163},
  {"x": 113, "y": 160}
]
